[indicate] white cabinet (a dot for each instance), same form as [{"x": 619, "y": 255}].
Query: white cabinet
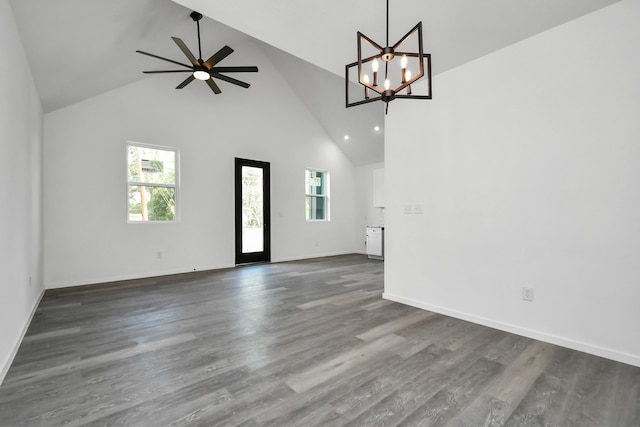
[
  {"x": 375, "y": 242},
  {"x": 378, "y": 188}
]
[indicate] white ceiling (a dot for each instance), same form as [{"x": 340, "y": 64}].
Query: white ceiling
[
  {"x": 81, "y": 48},
  {"x": 455, "y": 31}
]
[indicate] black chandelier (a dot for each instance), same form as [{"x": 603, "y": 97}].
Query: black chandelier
[{"x": 397, "y": 64}]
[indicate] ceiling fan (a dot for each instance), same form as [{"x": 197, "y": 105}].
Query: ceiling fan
[{"x": 203, "y": 70}]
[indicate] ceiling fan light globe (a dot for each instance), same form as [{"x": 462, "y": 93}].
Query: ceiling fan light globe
[{"x": 201, "y": 75}]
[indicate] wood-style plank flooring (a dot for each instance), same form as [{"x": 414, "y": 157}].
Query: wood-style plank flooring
[{"x": 305, "y": 343}]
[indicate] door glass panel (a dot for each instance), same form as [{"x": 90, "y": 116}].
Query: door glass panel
[{"x": 252, "y": 214}]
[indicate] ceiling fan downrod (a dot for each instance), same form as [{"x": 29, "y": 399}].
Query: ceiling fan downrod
[{"x": 196, "y": 16}]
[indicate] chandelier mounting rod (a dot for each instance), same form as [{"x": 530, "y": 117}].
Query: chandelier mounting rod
[{"x": 387, "y": 22}]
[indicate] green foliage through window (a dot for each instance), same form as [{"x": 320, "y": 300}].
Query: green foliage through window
[
  {"x": 151, "y": 177},
  {"x": 252, "y": 197}
]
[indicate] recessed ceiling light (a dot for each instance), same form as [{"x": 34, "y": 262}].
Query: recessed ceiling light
[
  {"x": 377, "y": 128},
  {"x": 346, "y": 137}
]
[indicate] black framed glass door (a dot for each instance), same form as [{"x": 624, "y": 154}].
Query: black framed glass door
[{"x": 252, "y": 208}]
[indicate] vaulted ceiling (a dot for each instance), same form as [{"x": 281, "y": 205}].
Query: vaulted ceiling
[{"x": 78, "y": 49}]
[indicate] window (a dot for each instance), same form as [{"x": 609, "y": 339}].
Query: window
[
  {"x": 316, "y": 195},
  {"x": 151, "y": 183}
]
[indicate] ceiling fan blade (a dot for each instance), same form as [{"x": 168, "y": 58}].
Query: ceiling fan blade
[
  {"x": 218, "y": 56},
  {"x": 165, "y": 59},
  {"x": 230, "y": 80},
  {"x": 186, "y": 82},
  {"x": 168, "y": 71},
  {"x": 214, "y": 87},
  {"x": 234, "y": 69},
  {"x": 183, "y": 47}
]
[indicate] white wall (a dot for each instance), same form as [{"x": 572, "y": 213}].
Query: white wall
[
  {"x": 526, "y": 162},
  {"x": 366, "y": 214},
  {"x": 20, "y": 190},
  {"x": 87, "y": 237}
]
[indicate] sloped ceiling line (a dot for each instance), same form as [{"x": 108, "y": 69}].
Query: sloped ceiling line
[{"x": 89, "y": 47}]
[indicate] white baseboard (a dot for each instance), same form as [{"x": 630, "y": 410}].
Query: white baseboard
[
  {"x": 123, "y": 277},
  {"x": 16, "y": 346},
  {"x": 119, "y": 278},
  {"x": 607, "y": 353},
  {"x": 311, "y": 256}
]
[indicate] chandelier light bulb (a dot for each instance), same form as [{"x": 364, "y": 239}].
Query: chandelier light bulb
[
  {"x": 374, "y": 68},
  {"x": 403, "y": 68},
  {"x": 366, "y": 78},
  {"x": 387, "y": 84},
  {"x": 407, "y": 75}
]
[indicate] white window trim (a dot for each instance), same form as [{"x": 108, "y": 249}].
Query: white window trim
[
  {"x": 327, "y": 210},
  {"x": 128, "y": 183}
]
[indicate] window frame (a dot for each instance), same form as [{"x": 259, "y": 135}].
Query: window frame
[
  {"x": 175, "y": 186},
  {"x": 325, "y": 195}
]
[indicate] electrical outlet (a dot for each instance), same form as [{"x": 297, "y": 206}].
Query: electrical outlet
[
  {"x": 159, "y": 255},
  {"x": 408, "y": 209},
  {"x": 527, "y": 294},
  {"x": 418, "y": 209}
]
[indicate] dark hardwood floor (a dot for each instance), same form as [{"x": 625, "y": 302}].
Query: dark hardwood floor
[{"x": 306, "y": 343}]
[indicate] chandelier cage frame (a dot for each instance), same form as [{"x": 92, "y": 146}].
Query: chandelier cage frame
[{"x": 387, "y": 55}]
